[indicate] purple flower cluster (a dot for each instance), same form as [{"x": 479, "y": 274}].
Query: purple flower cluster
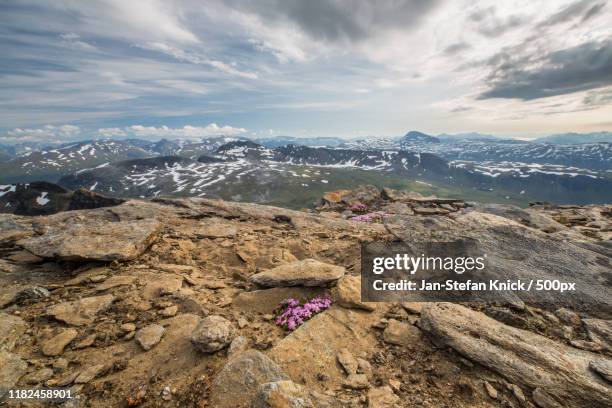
[
  {"x": 376, "y": 216},
  {"x": 358, "y": 207},
  {"x": 292, "y": 314}
]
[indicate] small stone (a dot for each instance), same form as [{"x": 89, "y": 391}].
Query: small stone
[
  {"x": 603, "y": 368},
  {"x": 89, "y": 374},
  {"x": 347, "y": 361},
  {"x": 149, "y": 336},
  {"x": 127, "y": 327},
  {"x": 60, "y": 365},
  {"x": 356, "y": 382},
  {"x": 364, "y": 367},
  {"x": 491, "y": 391},
  {"x": 212, "y": 334},
  {"x": 38, "y": 377},
  {"x": 55, "y": 345},
  {"x": 129, "y": 336},
  {"x": 242, "y": 323},
  {"x": 382, "y": 397},
  {"x": 413, "y": 307},
  {"x": 169, "y": 311},
  {"x": 568, "y": 316},
  {"x": 401, "y": 334},
  {"x": 239, "y": 344},
  {"x": 87, "y": 341},
  {"x": 518, "y": 393},
  {"x": 97, "y": 278},
  {"x": 395, "y": 385}
]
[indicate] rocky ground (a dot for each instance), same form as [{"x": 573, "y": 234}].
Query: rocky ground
[{"x": 171, "y": 303}]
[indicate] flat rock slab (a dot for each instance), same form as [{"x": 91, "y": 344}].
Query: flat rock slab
[
  {"x": 558, "y": 374},
  {"x": 308, "y": 272},
  {"x": 237, "y": 383},
  {"x": 314, "y": 346},
  {"x": 82, "y": 311},
  {"x": 55, "y": 345},
  {"x": 114, "y": 281},
  {"x": 94, "y": 240},
  {"x": 266, "y": 300}
]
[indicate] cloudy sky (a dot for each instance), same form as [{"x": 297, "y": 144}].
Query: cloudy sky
[{"x": 186, "y": 69}]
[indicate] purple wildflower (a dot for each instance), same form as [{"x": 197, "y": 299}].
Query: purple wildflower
[
  {"x": 376, "y": 216},
  {"x": 292, "y": 314},
  {"x": 358, "y": 207}
]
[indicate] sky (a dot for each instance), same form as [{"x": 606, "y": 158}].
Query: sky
[{"x": 73, "y": 69}]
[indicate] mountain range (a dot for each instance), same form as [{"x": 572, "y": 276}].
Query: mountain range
[{"x": 294, "y": 174}]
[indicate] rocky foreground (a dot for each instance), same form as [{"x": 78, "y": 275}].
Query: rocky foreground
[{"x": 171, "y": 303}]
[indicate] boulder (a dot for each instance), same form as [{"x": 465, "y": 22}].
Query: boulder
[
  {"x": 400, "y": 333},
  {"x": 149, "y": 336},
  {"x": 309, "y": 272},
  {"x": 96, "y": 239},
  {"x": 212, "y": 334},
  {"x": 81, "y": 312},
  {"x": 237, "y": 384},
  {"x": 55, "y": 345},
  {"x": 30, "y": 294},
  {"x": 558, "y": 374}
]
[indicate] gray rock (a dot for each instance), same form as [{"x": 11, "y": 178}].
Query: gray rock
[
  {"x": 94, "y": 240},
  {"x": 212, "y": 334},
  {"x": 282, "y": 394},
  {"x": 30, "y": 294},
  {"x": 81, "y": 312},
  {"x": 238, "y": 382},
  {"x": 149, "y": 336},
  {"x": 309, "y": 272},
  {"x": 603, "y": 368},
  {"x": 532, "y": 361},
  {"x": 12, "y": 368},
  {"x": 569, "y": 317},
  {"x": 238, "y": 345},
  {"x": 599, "y": 331},
  {"x": 400, "y": 333},
  {"x": 55, "y": 345}
]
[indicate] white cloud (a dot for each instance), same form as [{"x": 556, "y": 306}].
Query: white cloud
[
  {"x": 48, "y": 133},
  {"x": 187, "y": 132},
  {"x": 194, "y": 58}
]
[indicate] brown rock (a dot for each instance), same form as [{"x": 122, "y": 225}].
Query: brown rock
[
  {"x": 12, "y": 368},
  {"x": 55, "y": 345},
  {"x": 356, "y": 382},
  {"x": 114, "y": 281},
  {"x": 347, "y": 361},
  {"x": 382, "y": 397},
  {"x": 94, "y": 240},
  {"x": 309, "y": 272},
  {"x": 347, "y": 293},
  {"x": 11, "y": 329},
  {"x": 212, "y": 334},
  {"x": 82, "y": 311},
  {"x": 149, "y": 336},
  {"x": 400, "y": 333}
]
